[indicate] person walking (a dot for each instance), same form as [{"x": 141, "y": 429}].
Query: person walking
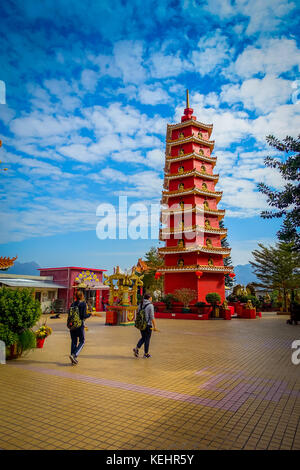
[
  {"x": 148, "y": 307},
  {"x": 77, "y": 335}
]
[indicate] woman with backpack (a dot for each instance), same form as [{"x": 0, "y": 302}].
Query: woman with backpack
[
  {"x": 78, "y": 309},
  {"x": 148, "y": 308}
]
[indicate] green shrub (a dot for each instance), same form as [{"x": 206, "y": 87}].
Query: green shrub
[
  {"x": 18, "y": 309},
  {"x": 232, "y": 298},
  {"x": 168, "y": 300},
  {"x": 7, "y": 336},
  {"x": 27, "y": 340},
  {"x": 213, "y": 298}
]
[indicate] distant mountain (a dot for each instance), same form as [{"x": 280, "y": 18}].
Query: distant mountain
[
  {"x": 31, "y": 269},
  {"x": 244, "y": 274}
]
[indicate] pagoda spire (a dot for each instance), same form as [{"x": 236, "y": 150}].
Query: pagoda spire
[
  {"x": 187, "y": 99},
  {"x": 188, "y": 112}
]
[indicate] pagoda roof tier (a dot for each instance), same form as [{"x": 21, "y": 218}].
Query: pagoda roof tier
[
  {"x": 193, "y": 190},
  {"x": 195, "y": 267},
  {"x": 191, "y": 138},
  {"x": 194, "y": 208},
  {"x": 196, "y": 248},
  {"x": 191, "y": 122},
  {"x": 194, "y": 172},
  {"x": 193, "y": 228},
  {"x": 197, "y": 156}
]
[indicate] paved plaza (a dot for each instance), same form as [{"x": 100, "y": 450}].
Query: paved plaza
[{"x": 209, "y": 385}]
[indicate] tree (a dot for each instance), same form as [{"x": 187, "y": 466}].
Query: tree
[
  {"x": 277, "y": 267},
  {"x": 287, "y": 201},
  {"x": 227, "y": 261},
  {"x": 213, "y": 298},
  {"x": 154, "y": 261},
  {"x": 185, "y": 296}
]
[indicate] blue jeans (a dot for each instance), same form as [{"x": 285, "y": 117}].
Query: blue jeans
[
  {"x": 145, "y": 339},
  {"x": 77, "y": 337}
]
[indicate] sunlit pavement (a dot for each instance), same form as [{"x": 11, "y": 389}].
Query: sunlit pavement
[{"x": 209, "y": 385}]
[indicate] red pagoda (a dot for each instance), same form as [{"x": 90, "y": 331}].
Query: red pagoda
[{"x": 193, "y": 252}]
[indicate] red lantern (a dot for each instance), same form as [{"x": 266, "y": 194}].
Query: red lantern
[
  {"x": 157, "y": 275},
  {"x": 232, "y": 275},
  {"x": 199, "y": 274}
]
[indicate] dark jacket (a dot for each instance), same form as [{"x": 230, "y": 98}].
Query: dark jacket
[{"x": 82, "y": 310}]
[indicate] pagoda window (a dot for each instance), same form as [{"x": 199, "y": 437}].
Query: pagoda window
[
  {"x": 180, "y": 243},
  {"x": 201, "y": 152},
  {"x": 181, "y": 205},
  {"x": 200, "y": 135},
  {"x": 180, "y": 263},
  {"x": 205, "y": 204},
  {"x": 203, "y": 169},
  {"x": 181, "y": 135},
  {"x": 207, "y": 224},
  {"x": 208, "y": 243},
  {"x": 210, "y": 262},
  {"x": 181, "y": 152},
  {"x": 181, "y": 169},
  {"x": 181, "y": 186},
  {"x": 204, "y": 186}
]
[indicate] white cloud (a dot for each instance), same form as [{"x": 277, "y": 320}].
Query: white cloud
[
  {"x": 212, "y": 52},
  {"x": 274, "y": 57},
  {"x": 89, "y": 80},
  {"x": 152, "y": 94},
  {"x": 163, "y": 65},
  {"x": 261, "y": 95},
  {"x": 263, "y": 17}
]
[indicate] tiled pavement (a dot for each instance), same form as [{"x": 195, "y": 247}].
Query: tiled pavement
[{"x": 209, "y": 385}]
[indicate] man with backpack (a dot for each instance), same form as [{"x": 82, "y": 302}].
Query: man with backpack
[
  {"x": 144, "y": 322},
  {"x": 75, "y": 323}
]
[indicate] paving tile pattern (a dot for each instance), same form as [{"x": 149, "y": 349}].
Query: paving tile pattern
[{"x": 209, "y": 385}]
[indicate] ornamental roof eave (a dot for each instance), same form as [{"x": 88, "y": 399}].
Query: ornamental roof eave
[
  {"x": 185, "y": 174},
  {"x": 191, "y": 138},
  {"x": 192, "y": 268},
  {"x": 6, "y": 262},
  {"x": 211, "y": 230},
  {"x": 201, "y": 125},
  {"x": 204, "y": 158},
  {"x": 200, "y": 249},
  {"x": 201, "y": 192},
  {"x": 219, "y": 212}
]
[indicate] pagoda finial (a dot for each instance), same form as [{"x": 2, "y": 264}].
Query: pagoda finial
[{"x": 188, "y": 111}]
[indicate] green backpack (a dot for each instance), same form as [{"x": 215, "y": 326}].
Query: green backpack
[
  {"x": 140, "y": 321},
  {"x": 74, "y": 320}
]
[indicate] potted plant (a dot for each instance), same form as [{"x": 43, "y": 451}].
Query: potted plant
[
  {"x": 41, "y": 334},
  {"x": 19, "y": 312},
  {"x": 214, "y": 299},
  {"x": 200, "y": 306},
  {"x": 168, "y": 301},
  {"x": 185, "y": 295}
]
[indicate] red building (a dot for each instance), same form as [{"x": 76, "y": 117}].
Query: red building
[
  {"x": 193, "y": 253},
  {"x": 86, "y": 279}
]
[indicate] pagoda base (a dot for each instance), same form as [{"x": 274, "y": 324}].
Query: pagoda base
[{"x": 206, "y": 284}]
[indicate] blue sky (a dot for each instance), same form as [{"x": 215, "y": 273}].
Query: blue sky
[{"x": 90, "y": 88}]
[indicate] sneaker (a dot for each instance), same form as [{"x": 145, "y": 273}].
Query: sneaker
[
  {"x": 135, "y": 352},
  {"x": 73, "y": 359},
  {"x": 147, "y": 355}
]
